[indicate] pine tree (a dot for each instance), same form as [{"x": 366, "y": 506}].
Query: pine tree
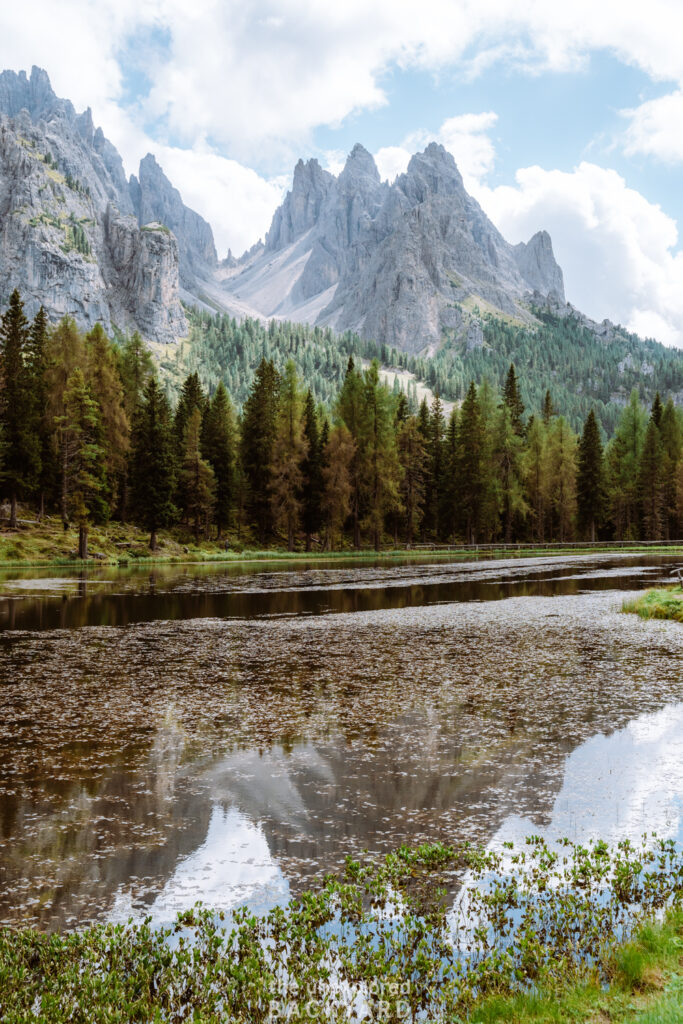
[
  {"x": 535, "y": 473},
  {"x": 312, "y": 489},
  {"x": 290, "y": 449},
  {"x": 449, "y": 514},
  {"x": 79, "y": 432},
  {"x": 590, "y": 486},
  {"x": 258, "y": 439},
  {"x": 219, "y": 446},
  {"x": 512, "y": 399},
  {"x": 21, "y": 462},
  {"x": 434, "y": 482},
  {"x": 197, "y": 483},
  {"x": 136, "y": 369},
  {"x": 152, "y": 462}
]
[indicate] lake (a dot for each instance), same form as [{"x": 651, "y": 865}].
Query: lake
[{"x": 229, "y": 733}]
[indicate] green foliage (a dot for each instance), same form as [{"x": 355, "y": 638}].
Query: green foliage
[
  {"x": 658, "y": 604},
  {"x": 542, "y": 926}
]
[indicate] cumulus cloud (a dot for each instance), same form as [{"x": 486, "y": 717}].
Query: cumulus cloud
[
  {"x": 655, "y": 128},
  {"x": 237, "y": 202},
  {"x": 465, "y": 137},
  {"x": 617, "y": 250}
]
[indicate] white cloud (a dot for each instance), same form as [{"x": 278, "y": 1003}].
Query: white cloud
[
  {"x": 617, "y": 250},
  {"x": 237, "y": 202},
  {"x": 655, "y": 128},
  {"x": 464, "y": 136}
]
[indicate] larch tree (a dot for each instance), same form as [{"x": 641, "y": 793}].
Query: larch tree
[
  {"x": 338, "y": 454},
  {"x": 36, "y": 362},
  {"x": 513, "y": 400},
  {"x": 672, "y": 447},
  {"x": 623, "y": 461},
  {"x": 352, "y": 412},
  {"x": 106, "y": 387},
  {"x": 560, "y": 481}
]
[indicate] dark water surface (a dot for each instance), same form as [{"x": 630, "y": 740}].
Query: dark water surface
[{"x": 212, "y": 734}]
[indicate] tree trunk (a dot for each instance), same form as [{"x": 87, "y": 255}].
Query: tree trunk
[
  {"x": 41, "y": 509},
  {"x": 83, "y": 542},
  {"x": 309, "y": 543},
  {"x": 377, "y": 540},
  {"x": 13, "y": 511},
  {"x": 153, "y": 540},
  {"x": 64, "y": 495}
]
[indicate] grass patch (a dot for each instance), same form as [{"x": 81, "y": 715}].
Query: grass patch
[{"x": 659, "y": 603}]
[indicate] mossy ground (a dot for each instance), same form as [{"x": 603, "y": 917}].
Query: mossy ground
[{"x": 660, "y": 603}]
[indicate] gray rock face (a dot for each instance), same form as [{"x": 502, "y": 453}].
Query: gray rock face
[
  {"x": 400, "y": 263},
  {"x": 155, "y": 200},
  {"x": 75, "y": 235}
]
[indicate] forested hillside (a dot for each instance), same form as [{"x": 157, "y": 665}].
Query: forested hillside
[
  {"x": 88, "y": 431},
  {"x": 584, "y": 371}
]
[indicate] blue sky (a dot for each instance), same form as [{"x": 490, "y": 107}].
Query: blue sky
[{"x": 564, "y": 118}]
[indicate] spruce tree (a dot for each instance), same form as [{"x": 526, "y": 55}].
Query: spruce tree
[
  {"x": 508, "y": 455},
  {"x": 413, "y": 458},
  {"x": 152, "y": 462},
  {"x": 590, "y": 486},
  {"x": 623, "y": 461},
  {"x": 513, "y": 400},
  {"x": 219, "y": 446},
  {"x": 650, "y": 482},
  {"x": 470, "y": 469},
  {"x": 382, "y": 469},
  {"x": 548, "y": 408},
  {"x": 36, "y": 363},
  {"x": 104, "y": 381},
  {"x": 657, "y": 410},
  {"x": 21, "y": 462},
  {"x": 191, "y": 397}
]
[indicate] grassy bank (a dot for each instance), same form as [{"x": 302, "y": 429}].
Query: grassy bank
[
  {"x": 568, "y": 933},
  {"x": 660, "y": 603},
  {"x": 48, "y": 544}
]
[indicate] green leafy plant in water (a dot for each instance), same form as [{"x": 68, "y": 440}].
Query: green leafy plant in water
[{"x": 382, "y": 942}]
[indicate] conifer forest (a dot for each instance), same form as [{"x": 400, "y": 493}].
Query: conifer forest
[{"x": 89, "y": 432}]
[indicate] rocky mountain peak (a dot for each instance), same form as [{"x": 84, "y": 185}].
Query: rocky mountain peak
[
  {"x": 359, "y": 165},
  {"x": 432, "y": 173},
  {"x": 537, "y": 265},
  {"x": 155, "y": 200},
  {"x": 34, "y": 93}
]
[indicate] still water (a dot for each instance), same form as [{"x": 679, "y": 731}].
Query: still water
[{"x": 210, "y": 733}]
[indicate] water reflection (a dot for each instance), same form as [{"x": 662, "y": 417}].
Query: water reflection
[
  {"x": 107, "y": 598},
  {"x": 138, "y": 764}
]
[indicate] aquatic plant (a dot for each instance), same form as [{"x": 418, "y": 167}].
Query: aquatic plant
[{"x": 380, "y": 942}]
